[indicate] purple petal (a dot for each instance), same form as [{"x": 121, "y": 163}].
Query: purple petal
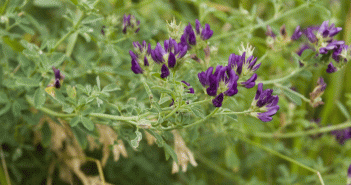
[
  {"x": 250, "y": 82},
  {"x": 212, "y": 89},
  {"x": 171, "y": 60},
  {"x": 297, "y": 33},
  {"x": 217, "y": 102},
  {"x": 136, "y": 67},
  {"x": 331, "y": 68},
  {"x": 164, "y": 71}
]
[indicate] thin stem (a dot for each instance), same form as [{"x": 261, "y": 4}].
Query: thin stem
[
  {"x": 4, "y": 167},
  {"x": 173, "y": 112},
  {"x": 271, "y": 151},
  {"x": 75, "y": 27},
  {"x": 285, "y": 14},
  {"x": 235, "y": 113},
  {"x": 204, "y": 119},
  {"x": 48, "y": 111},
  {"x": 293, "y": 92},
  {"x": 119, "y": 40},
  {"x": 283, "y": 78},
  {"x": 304, "y": 133},
  {"x": 112, "y": 117}
]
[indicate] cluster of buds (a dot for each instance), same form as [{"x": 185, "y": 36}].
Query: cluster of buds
[
  {"x": 281, "y": 40},
  {"x": 142, "y": 53},
  {"x": 189, "y": 38},
  {"x": 130, "y": 24}
]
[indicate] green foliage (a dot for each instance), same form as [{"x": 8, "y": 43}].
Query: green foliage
[{"x": 84, "y": 40}]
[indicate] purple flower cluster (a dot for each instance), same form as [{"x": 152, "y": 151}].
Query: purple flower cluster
[
  {"x": 189, "y": 37},
  {"x": 142, "y": 51},
  {"x": 58, "y": 77},
  {"x": 244, "y": 67},
  {"x": 191, "y": 90},
  {"x": 321, "y": 38},
  {"x": 265, "y": 105},
  {"x": 222, "y": 82},
  {"x": 130, "y": 23}
]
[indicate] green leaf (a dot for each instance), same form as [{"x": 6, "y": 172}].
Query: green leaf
[
  {"x": 14, "y": 44},
  {"x": 98, "y": 82},
  {"x": 47, "y": 4},
  {"x": 71, "y": 91},
  {"x": 5, "y": 109},
  {"x": 16, "y": 109},
  {"x": 307, "y": 54},
  {"x": 26, "y": 29},
  {"x": 110, "y": 88},
  {"x": 71, "y": 43},
  {"x": 135, "y": 142},
  {"x": 170, "y": 152},
  {"x": 81, "y": 137},
  {"x": 88, "y": 124},
  {"x": 231, "y": 158},
  {"x": 293, "y": 97},
  {"x": 343, "y": 110},
  {"x": 1, "y": 75},
  {"x": 74, "y": 121},
  {"x": 74, "y": 2},
  {"x": 197, "y": 112},
  {"x": 3, "y": 97},
  {"x": 59, "y": 97},
  {"x": 67, "y": 108},
  {"x": 159, "y": 140},
  {"x": 232, "y": 117},
  {"x": 46, "y": 135},
  {"x": 28, "y": 82},
  {"x": 39, "y": 97},
  {"x": 306, "y": 74}
]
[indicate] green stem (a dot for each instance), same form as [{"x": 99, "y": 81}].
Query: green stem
[
  {"x": 119, "y": 40},
  {"x": 304, "y": 133},
  {"x": 75, "y": 27},
  {"x": 271, "y": 151},
  {"x": 112, "y": 117},
  {"x": 293, "y": 92},
  {"x": 204, "y": 119},
  {"x": 235, "y": 113},
  {"x": 283, "y": 78},
  {"x": 285, "y": 14},
  {"x": 48, "y": 111},
  {"x": 173, "y": 112}
]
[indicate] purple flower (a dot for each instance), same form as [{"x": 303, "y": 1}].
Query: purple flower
[
  {"x": 342, "y": 135},
  {"x": 338, "y": 50},
  {"x": 205, "y": 33},
  {"x": 349, "y": 175},
  {"x": 244, "y": 67},
  {"x": 332, "y": 45},
  {"x": 130, "y": 23},
  {"x": 330, "y": 31},
  {"x": 323, "y": 31},
  {"x": 265, "y": 105},
  {"x": 58, "y": 77},
  {"x": 143, "y": 50},
  {"x": 171, "y": 52},
  {"x": 189, "y": 37},
  {"x": 223, "y": 81},
  {"x": 172, "y": 48},
  {"x": 331, "y": 68},
  {"x": 191, "y": 90},
  {"x": 297, "y": 33}
]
